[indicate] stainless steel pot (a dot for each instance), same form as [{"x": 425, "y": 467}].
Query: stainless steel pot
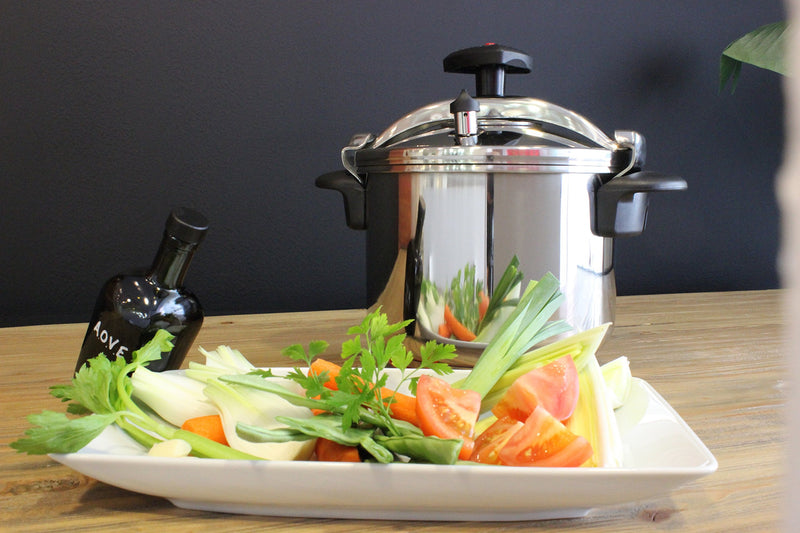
[{"x": 478, "y": 180}]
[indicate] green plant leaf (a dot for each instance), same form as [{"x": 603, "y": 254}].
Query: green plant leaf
[{"x": 763, "y": 48}]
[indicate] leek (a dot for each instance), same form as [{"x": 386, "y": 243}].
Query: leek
[
  {"x": 525, "y": 328},
  {"x": 510, "y": 281}
]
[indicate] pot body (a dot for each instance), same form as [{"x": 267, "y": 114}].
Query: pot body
[
  {"x": 472, "y": 183},
  {"x": 430, "y": 225}
]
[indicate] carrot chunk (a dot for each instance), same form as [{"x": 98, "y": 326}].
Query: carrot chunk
[{"x": 209, "y": 426}]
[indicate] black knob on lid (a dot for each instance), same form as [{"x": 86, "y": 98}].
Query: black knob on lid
[{"x": 490, "y": 63}]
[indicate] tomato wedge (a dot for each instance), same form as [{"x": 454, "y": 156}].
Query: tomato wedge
[
  {"x": 544, "y": 441},
  {"x": 493, "y": 439},
  {"x": 446, "y": 412},
  {"x": 553, "y": 386}
]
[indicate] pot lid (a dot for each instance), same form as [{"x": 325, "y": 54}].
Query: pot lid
[{"x": 492, "y": 131}]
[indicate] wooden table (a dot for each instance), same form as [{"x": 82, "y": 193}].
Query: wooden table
[{"x": 716, "y": 357}]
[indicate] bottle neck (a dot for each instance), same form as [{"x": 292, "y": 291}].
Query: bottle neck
[{"x": 171, "y": 262}]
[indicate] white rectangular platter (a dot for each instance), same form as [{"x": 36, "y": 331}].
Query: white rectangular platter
[{"x": 661, "y": 453}]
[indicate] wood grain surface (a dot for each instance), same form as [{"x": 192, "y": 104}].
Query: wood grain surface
[{"x": 715, "y": 357}]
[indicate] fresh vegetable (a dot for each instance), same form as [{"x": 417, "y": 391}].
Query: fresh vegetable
[
  {"x": 174, "y": 397},
  {"x": 580, "y": 346},
  {"x": 553, "y": 386},
  {"x": 322, "y": 368},
  {"x": 101, "y": 392},
  {"x": 424, "y": 449},
  {"x": 509, "y": 283},
  {"x": 526, "y": 327},
  {"x": 170, "y": 448},
  {"x": 464, "y": 310},
  {"x": 220, "y": 362},
  {"x": 209, "y": 426},
  {"x": 401, "y": 406},
  {"x": 446, "y": 412},
  {"x": 461, "y": 332},
  {"x": 359, "y": 414},
  {"x": 430, "y": 310},
  {"x": 483, "y": 306},
  {"x": 328, "y": 450},
  {"x": 267, "y": 416},
  {"x": 238, "y": 405},
  {"x": 594, "y": 417},
  {"x": 462, "y": 300},
  {"x": 544, "y": 441},
  {"x": 617, "y": 377},
  {"x": 491, "y": 440}
]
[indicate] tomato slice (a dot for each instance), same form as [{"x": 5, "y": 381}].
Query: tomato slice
[
  {"x": 447, "y": 412},
  {"x": 493, "y": 439},
  {"x": 554, "y": 386},
  {"x": 544, "y": 441}
]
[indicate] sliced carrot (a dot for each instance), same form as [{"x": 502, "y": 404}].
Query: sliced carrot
[
  {"x": 459, "y": 330},
  {"x": 321, "y": 366},
  {"x": 328, "y": 450},
  {"x": 483, "y": 305},
  {"x": 444, "y": 330},
  {"x": 209, "y": 426},
  {"x": 403, "y": 406}
]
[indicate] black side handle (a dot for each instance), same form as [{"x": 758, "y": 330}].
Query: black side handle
[
  {"x": 354, "y": 195},
  {"x": 620, "y": 206},
  {"x": 490, "y": 63}
]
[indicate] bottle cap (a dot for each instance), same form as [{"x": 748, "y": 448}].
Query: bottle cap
[{"x": 187, "y": 225}]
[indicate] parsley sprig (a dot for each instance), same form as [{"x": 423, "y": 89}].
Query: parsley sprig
[{"x": 375, "y": 345}]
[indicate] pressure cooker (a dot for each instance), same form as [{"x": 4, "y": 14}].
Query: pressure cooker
[{"x": 478, "y": 181}]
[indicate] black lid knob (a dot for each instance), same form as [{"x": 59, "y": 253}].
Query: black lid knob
[
  {"x": 490, "y": 63},
  {"x": 187, "y": 225}
]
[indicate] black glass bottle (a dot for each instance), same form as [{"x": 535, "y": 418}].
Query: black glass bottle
[{"x": 131, "y": 307}]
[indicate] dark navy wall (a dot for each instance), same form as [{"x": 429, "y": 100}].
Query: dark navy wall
[{"x": 112, "y": 112}]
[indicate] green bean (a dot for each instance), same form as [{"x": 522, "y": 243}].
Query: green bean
[
  {"x": 423, "y": 449},
  {"x": 262, "y": 384},
  {"x": 277, "y": 435},
  {"x": 377, "y": 450},
  {"x": 330, "y": 427}
]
